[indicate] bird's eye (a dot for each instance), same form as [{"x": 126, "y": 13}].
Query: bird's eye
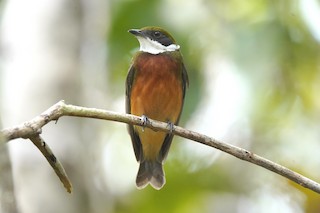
[{"x": 157, "y": 34}]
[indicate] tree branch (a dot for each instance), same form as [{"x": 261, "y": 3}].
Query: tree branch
[
  {"x": 31, "y": 129},
  {"x": 52, "y": 159}
]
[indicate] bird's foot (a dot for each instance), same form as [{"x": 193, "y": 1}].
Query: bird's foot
[
  {"x": 170, "y": 125},
  {"x": 144, "y": 121}
]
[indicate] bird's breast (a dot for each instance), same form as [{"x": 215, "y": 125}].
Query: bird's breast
[{"x": 157, "y": 87}]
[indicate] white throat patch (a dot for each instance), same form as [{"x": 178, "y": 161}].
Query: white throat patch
[{"x": 154, "y": 47}]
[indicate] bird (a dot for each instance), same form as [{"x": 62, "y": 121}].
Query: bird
[{"x": 156, "y": 84}]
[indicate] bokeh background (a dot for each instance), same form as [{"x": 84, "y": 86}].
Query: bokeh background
[{"x": 254, "y": 70}]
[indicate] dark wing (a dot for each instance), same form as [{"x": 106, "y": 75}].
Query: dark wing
[
  {"x": 185, "y": 80},
  {"x": 168, "y": 139},
  {"x": 134, "y": 137}
]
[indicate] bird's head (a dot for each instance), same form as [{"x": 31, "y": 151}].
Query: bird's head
[{"x": 155, "y": 40}]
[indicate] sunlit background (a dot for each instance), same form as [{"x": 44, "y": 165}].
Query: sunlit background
[{"x": 254, "y": 70}]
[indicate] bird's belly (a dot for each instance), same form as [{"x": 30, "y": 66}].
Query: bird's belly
[{"x": 159, "y": 100}]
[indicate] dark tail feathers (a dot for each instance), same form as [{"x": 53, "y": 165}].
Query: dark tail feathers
[{"x": 150, "y": 172}]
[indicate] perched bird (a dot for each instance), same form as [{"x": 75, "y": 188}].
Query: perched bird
[{"x": 155, "y": 88}]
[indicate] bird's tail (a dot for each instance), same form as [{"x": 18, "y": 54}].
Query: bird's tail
[{"x": 150, "y": 172}]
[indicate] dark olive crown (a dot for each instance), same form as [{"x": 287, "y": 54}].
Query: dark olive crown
[{"x": 158, "y": 34}]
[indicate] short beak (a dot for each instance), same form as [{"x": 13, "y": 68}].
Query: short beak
[{"x": 135, "y": 32}]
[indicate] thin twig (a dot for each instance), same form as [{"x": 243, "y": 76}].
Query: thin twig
[
  {"x": 54, "y": 162},
  {"x": 33, "y": 127}
]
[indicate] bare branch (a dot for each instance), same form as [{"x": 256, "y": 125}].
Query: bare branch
[
  {"x": 54, "y": 162},
  {"x": 32, "y": 129}
]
